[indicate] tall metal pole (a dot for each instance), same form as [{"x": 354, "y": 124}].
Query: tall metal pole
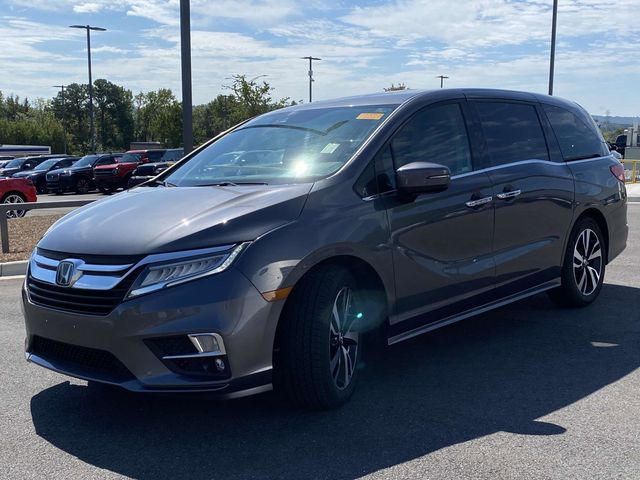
[
  {"x": 88, "y": 28},
  {"x": 91, "y": 120},
  {"x": 442, "y": 77},
  {"x": 311, "y": 59},
  {"x": 64, "y": 119},
  {"x": 552, "y": 62},
  {"x": 187, "y": 102}
]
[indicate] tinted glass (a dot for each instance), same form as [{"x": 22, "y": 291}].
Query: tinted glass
[
  {"x": 16, "y": 163},
  {"x": 577, "y": 140},
  {"x": 286, "y": 146},
  {"x": 85, "y": 161},
  {"x": 512, "y": 132},
  {"x": 47, "y": 164},
  {"x": 379, "y": 176},
  {"x": 105, "y": 161},
  {"x": 154, "y": 156},
  {"x": 171, "y": 155},
  {"x": 436, "y": 134},
  {"x": 130, "y": 158}
]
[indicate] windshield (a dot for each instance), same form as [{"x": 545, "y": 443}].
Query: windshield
[
  {"x": 283, "y": 147},
  {"x": 15, "y": 163},
  {"x": 129, "y": 158},
  {"x": 86, "y": 161},
  {"x": 47, "y": 164}
]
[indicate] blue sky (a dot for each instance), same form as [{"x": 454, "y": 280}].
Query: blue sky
[{"x": 365, "y": 46}]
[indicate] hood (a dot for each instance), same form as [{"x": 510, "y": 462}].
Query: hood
[
  {"x": 164, "y": 219},
  {"x": 26, "y": 173},
  {"x": 9, "y": 171}
]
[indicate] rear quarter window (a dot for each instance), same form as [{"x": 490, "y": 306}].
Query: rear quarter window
[{"x": 577, "y": 139}]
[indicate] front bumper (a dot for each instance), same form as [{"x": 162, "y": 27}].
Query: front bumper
[{"x": 226, "y": 304}]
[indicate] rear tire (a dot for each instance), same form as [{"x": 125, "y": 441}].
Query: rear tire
[
  {"x": 316, "y": 365},
  {"x": 584, "y": 266}
]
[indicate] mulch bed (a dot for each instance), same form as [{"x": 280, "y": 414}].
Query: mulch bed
[{"x": 24, "y": 233}]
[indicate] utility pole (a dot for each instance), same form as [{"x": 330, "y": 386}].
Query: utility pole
[
  {"x": 442, "y": 77},
  {"x": 88, "y": 28},
  {"x": 187, "y": 101},
  {"x": 552, "y": 62},
  {"x": 64, "y": 118},
  {"x": 311, "y": 59}
]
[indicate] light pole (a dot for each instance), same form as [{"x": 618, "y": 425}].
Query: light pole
[
  {"x": 442, "y": 77},
  {"x": 88, "y": 28},
  {"x": 64, "y": 121},
  {"x": 552, "y": 61},
  {"x": 311, "y": 59},
  {"x": 187, "y": 100}
]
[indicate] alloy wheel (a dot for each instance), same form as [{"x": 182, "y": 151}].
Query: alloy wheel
[
  {"x": 587, "y": 262},
  {"x": 344, "y": 338},
  {"x": 14, "y": 198},
  {"x": 82, "y": 186}
]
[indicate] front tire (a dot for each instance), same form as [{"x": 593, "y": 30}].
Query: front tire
[
  {"x": 584, "y": 266},
  {"x": 320, "y": 342},
  {"x": 14, "y": 198},
  {"x": 83, "y": 186}
]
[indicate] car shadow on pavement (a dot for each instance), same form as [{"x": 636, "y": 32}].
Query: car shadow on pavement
[{"x": 500, "y": 371}]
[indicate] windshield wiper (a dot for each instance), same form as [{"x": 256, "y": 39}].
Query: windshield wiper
[
  {"x": 229, "y": 184},
  {"x": 162, "y": 183}
]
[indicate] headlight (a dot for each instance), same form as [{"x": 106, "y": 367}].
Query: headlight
[
  {"x": 115, "y": 171},
  {"x": 65, "y": 172},
  {"x": 158, "y": 276}
]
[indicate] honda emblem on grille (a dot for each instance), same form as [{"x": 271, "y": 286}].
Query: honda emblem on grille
[{"x": 68, "y": 272}]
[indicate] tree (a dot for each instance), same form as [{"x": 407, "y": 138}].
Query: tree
[
  {"x": 158, "y": 117},
  {"x": 395, "y": 88}
]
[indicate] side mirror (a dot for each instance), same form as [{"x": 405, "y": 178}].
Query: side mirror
[{"x": 422, "y": 177}]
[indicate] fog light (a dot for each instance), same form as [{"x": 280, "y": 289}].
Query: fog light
[
  {"x": 220, "y": 365},
  {"x": 208, "y": 343}
]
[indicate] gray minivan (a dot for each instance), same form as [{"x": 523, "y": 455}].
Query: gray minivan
[{"x": 266, "y": 256}]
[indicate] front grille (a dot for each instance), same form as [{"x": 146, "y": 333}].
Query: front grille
[
  {"x": 103, "y": 173},
  {"x": 76, "y": 300},
  {"x": 81, "y": 360},
  {"x": 52, "y": 177}
]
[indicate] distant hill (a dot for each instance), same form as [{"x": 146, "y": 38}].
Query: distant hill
[{"x": 616, "y": 122}]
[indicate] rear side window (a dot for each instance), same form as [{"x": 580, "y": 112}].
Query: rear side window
[
  {"x": 577, "y": 140},
  {"x": 154, "y": 156},
  {"x": 436, "y": 134},
  {"x": 512, "y": 131}
]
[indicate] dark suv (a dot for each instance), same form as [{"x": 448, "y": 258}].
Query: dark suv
[
  {"x": 24, "y": 164},
  {"x": 79, "y": 177},
  {"x": 112, "y": 177},
  {"x": 265, "y": 257},
  {"x": 39, "y": 173}
]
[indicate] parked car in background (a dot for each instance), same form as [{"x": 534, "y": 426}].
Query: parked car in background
[
  {"x": 172, "y": 155},
  {"x": 38, "y": 174},
  {"x": 109, "y": 178},
  {"x": 6, "y": 158},
  {"x": 24, "y": 163},
  {"x": 4, "y": 162},
  {"x": 146, "y": 172},
  {"x": 394, "y": 214},
  {"x": 17, "y": 190},
  {"x": 79, "y": 177}
]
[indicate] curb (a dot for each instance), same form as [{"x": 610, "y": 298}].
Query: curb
[
  {"x": 633, "y": 199},
  {"x": 11, "y": 269}
]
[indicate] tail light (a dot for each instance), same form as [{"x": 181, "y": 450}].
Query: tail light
[{"x": 618, "y": 172}]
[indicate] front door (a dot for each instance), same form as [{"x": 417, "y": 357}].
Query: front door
[{"x": 441, "y": 241}]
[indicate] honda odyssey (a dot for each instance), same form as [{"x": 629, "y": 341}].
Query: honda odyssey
[{"x": 267, "y": 255}]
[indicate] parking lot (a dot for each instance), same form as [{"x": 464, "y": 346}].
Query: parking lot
[{"x": 527, "y": 391}]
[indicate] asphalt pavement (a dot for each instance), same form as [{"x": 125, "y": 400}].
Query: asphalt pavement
[{"x": 528, "y": 391}]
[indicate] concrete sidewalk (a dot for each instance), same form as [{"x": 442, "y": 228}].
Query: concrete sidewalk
[{"x": 633, "y": 192}]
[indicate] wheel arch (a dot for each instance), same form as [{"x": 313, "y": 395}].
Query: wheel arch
[
  {"x": 377, "y": 299},
  {"x": 13, "y": 192},
  {"x": 601, "y": 220}
]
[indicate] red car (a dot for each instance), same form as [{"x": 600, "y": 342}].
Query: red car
[
  {"x": 17, "y": 190},
  {"x": 109, "y": 178}
]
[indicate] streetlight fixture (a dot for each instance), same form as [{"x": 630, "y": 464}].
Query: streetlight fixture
[
  {"x": 442, "y": 78},
  {"x": 552, "y": 60},
  {"x": 64, "y": 121},
  {"x": 311, "y": 59},
  {"x": 88, "y": 28},
  {"x": 185, "y": 56}
]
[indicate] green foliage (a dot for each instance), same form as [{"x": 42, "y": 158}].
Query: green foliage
[{"x": 121, "y": 118}]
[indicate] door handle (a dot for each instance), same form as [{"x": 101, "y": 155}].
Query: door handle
[
  {"x": 510, "y": 194},
  {"x": 478, "y": 202}
]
